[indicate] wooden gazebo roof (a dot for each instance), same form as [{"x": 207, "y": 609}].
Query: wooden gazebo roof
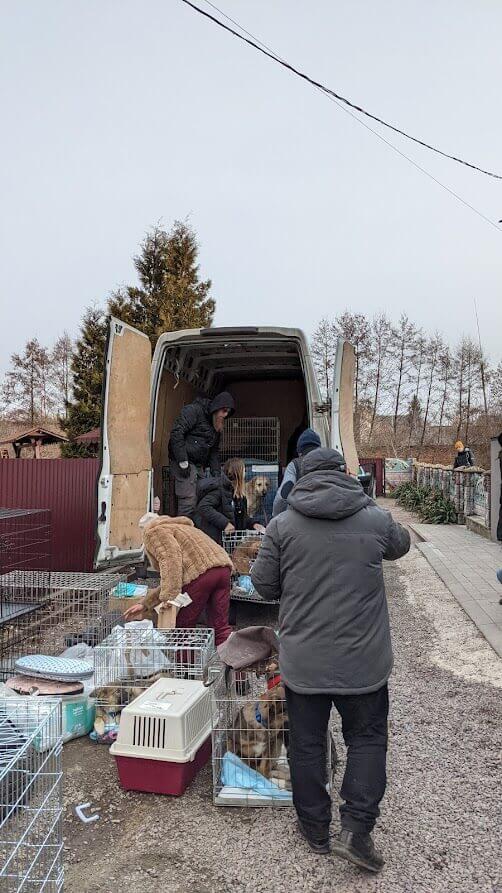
[{"x": 35, "y": 437}]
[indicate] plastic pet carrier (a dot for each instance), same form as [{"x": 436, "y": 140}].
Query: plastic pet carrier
[{"x": 164, "y": 737}]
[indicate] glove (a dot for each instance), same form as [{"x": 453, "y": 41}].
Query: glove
[{"x": 184, "y": 468}]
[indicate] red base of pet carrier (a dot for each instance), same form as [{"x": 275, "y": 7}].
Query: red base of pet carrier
[{"x": 161, "y": 776}]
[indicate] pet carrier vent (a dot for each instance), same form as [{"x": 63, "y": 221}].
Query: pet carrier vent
[{"x": 251, "y": 438}]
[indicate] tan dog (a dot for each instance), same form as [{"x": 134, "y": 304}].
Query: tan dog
[
  {"x": 261, "y": 730},
  {"x": 256, "y": 490},
  {"x": 245, "y": 553}
]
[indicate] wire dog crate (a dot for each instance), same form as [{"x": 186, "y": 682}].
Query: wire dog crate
[
  {"x": 250, "y": 737},
  {"x": 59, "y": 610},
  {"x": 25, "y": 547},
  {"x": 243, "y": 547},
  {"x": 31, "y": 840},
  {"x": 129, "y": 660},
  {"x": 258, "y": 438}
]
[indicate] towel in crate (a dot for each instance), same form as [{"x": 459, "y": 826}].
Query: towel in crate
[
  {"x": 164, "y": 737},
  {"x": 243, "y": 547},
  {"x": 262, "y": 482}
]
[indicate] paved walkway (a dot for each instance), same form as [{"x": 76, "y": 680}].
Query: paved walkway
[{"x": 467, "y": 564}]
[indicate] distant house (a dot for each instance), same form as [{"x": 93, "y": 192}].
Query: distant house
[{"x": 32, "y": 443}]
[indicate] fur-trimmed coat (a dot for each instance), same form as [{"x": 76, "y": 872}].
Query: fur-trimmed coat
[{"x": 180, "y": 553}]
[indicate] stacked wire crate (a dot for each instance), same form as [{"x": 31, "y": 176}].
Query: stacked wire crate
[
  {"x": 130, "y": 659},
  {"x": 31, "y": 841},
  {"x": 25, "y": 554},
  {"x": 51, "y": 611},
  {"x": 257, "y": 442}
]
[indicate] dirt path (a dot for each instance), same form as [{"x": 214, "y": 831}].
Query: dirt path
[{"x": 440, "y": 822}]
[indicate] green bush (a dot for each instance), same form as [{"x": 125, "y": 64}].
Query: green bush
[
  {"x": 438, "y": 509},
  {"x": 431, "y": 505}
]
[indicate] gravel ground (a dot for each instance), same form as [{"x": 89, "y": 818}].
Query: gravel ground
[{"x": 441, "y": 817}]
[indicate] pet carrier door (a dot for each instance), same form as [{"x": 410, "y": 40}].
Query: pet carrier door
[
  {"x": 342, "y": 405},
  {"x": 125, "y": 479}
]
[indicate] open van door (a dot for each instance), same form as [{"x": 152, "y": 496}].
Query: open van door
[
  {"x": 342, "y": 405},
  {"x": 125, "y": 478}
]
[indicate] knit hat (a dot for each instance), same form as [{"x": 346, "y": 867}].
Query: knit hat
[{"x": 308, "y": 439}]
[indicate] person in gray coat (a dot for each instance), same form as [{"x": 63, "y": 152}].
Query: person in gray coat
[{"x": 322, "y": 558}]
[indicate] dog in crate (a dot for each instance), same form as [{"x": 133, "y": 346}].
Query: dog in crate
[
  {"x": 256, "y": 491},
  {"x": 260, "y": 731},
  {"x": 245, "y": 553}
]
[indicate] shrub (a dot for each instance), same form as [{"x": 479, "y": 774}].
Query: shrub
[
  {"x": 438, "y": 509},
  {"x": 432, "y": 506}
]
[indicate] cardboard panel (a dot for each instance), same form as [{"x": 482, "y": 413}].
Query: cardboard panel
[
  {"x": 346, "y": 404},
  {"x": 128, "y": 416}
]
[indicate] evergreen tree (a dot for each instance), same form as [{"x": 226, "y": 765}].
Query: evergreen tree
[
  {"x": 171, "y": 296},
  {"x": 87, "y": 367}
]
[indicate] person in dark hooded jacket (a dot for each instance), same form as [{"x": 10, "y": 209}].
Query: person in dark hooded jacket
[
  {"x": 194, "y": 445},
  {"x": 323, "y": 558},
  {"x": 222, "y": 504}
]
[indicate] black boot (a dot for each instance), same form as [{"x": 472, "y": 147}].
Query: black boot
[
  {"x": 359, "y": 849},
  {"x": 318, "y": 843}
]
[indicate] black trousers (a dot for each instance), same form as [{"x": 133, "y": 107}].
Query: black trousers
[{"x": 364, "y": 726}]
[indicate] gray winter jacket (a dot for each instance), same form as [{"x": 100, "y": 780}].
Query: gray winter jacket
[{"x": 323, "y": 559}]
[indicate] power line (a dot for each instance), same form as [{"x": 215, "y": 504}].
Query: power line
[
  {"x": 347, "y": 111},
  {"x": 261, "y": 48}
]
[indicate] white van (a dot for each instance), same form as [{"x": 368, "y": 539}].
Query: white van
[{"x": 268, "y": 371}]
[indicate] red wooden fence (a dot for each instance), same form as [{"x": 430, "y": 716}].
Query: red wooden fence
[
  {"x": 377, "y": 468},
  {"x": 68, "y": 488}
]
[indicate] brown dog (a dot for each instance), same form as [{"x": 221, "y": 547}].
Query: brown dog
[
  {"x": 256, "y": 490},
  {"x": 245, "y": 553},
  {"x": 261, "y": 729}
]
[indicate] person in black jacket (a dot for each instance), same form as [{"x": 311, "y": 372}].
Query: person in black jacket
[
  {"x": 464, "y": 457},
  {"x": 222, "y": 504},
  {"x": 194, "y": 446}
]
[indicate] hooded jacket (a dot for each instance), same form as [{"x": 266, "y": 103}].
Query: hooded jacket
[
  {"x": 193, "y": 436},
  {"x": 323, "y": 559},
  {"x": 214, "y": 506},
  {"x": 180, "y": 553},
  {"x": 217, "y": 507}
]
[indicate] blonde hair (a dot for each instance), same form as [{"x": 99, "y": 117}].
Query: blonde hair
[
  {"x": 235, "y": 471},
  {"x": 459, "y": 446}
]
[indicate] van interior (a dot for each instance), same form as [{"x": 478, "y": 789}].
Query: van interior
[{"x": 265, "y": 376}]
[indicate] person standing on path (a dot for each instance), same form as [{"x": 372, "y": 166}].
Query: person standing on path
[
  {"x": 307, "y": 441},
  {"x": 194, "y": 445},
  {"x": 323, "y": 559}
]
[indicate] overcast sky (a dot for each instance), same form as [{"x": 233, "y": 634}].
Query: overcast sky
[{"x": 117, "y": 114}]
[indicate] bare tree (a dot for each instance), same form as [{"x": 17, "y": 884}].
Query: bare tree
[
  {"x": 417, "y": 370},
  {"x": 445, "y": 370},
  {"x": 61, "y": 357},
  {"x": 403, "y": 342},
  {"x": 381, "y": 338},
  {"x": 323, "y": 350},
  {"x": 432, "y": 353}
]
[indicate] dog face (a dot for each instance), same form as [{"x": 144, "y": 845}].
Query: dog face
[{"x": 260, "y": 485}]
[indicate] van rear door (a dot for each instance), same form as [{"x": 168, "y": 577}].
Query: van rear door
[
  {"x": 125, "y": 479},
  {"x": 342, "y": 405}
]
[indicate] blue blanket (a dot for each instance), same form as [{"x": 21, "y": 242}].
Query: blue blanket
[{"x": 236, "y": 774}]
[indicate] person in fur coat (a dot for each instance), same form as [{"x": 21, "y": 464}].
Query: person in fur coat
[{"x": 187, "y": 561}]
